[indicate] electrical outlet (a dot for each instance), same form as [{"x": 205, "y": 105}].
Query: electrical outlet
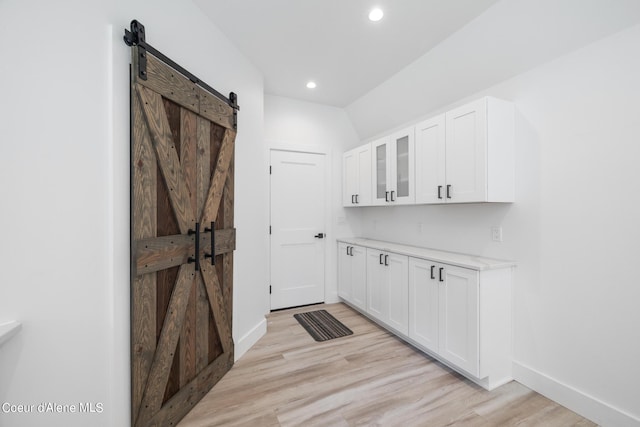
[{"x": 496, "y": 234}]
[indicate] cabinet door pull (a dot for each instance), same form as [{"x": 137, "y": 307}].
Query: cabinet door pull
[
  {"x": 381, "y": 259},
  {"x": 351, "y": 251},
  {"x": 347, "y": 250},
  {"x": 386, "y": 196},
  {"x": 432, "y": 268},
  {"x": 448, "y": 191},
  {"x": 439, "y": 191},
  {"x": 352, "y": 202},
  {"x": 386, "y": 260},
  {"x": 357, "y": 202},
  {"x": 392, "y": 199},
  {"x": 441, "y": 269}
]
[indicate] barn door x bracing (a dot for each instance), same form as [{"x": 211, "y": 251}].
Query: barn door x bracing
[{"x": 182, "y": 239}]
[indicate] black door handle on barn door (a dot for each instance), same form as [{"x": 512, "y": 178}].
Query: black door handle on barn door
[
  {"x": 319, "y": 236},
  {"x": 195, "y": 259},
  {"x": 213, "y": 243}
]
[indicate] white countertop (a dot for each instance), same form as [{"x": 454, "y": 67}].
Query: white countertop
[
  {"x": 7, "y": 330},
  {"x": 452, "y": 258}
]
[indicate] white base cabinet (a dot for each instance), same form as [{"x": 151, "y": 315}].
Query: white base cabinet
[
  {"x": 387, "y": 288},
  {"x": 444, "y": 311},
  {"x": 352, "y": 275},
  {"x": 454, "y": 307},
  {"x": 424, "y": 302},
  {"x": 458, "y": 317},
  {"x": 463, "y": 317}
]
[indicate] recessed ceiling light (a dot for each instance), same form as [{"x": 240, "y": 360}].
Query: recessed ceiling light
[
  {"x": 376, "y": 15},
  {"x": 311, "y": 85}
]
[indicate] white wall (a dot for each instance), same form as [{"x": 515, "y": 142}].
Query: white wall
[
  {"x": 300, "y": 125},
  {"x": 573, "y": 228},
  {"x": 65, "y": 193}
]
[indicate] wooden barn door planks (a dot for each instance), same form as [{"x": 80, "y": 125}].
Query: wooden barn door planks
[{"x": 181, "y": 297}]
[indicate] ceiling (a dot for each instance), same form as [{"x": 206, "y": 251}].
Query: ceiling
[{"x": 333, "y": 43}]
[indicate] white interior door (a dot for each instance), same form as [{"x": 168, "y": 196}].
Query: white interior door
[{"x": 297, "y": 228}]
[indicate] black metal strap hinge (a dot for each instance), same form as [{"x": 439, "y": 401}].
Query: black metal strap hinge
[
  {"x": 233, "y": 102},
  {"x": 136, "y": 37}
]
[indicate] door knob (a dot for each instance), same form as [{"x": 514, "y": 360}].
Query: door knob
[{"x": 319, "y": 236}]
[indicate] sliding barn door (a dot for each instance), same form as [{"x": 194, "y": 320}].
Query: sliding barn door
[{"x": 182, "y": 213}]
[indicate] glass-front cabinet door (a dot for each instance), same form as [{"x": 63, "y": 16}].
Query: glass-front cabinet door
[
  {"x": 403, "y": 175},
  {"x": 381, "y": 171},
  {"x": 393, "y": 168},
  {"x": 402, "y": 166}
]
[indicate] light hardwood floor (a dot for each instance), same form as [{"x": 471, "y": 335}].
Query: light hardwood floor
[{"x": 369, "y": 378}]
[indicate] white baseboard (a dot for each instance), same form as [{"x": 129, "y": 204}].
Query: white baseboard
[
  {"x": 331, "y": 297},
  {"x": 249, "y": 339},
  {"x": 588, "y": 406}
]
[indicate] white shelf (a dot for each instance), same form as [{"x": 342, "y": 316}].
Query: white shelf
[{"x": 8, "y": 330}]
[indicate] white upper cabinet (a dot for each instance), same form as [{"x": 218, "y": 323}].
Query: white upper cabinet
[
  {"x": 356, "y": 181},
  {"x": 380, "y": 171},
  {"x": 363, "y": 159},
  {"x": 430, "y": 159},
  {"x": 349, "y": 178},
  {"x": 467, "y": 154},
  {"x": 393, "y": 168}
]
